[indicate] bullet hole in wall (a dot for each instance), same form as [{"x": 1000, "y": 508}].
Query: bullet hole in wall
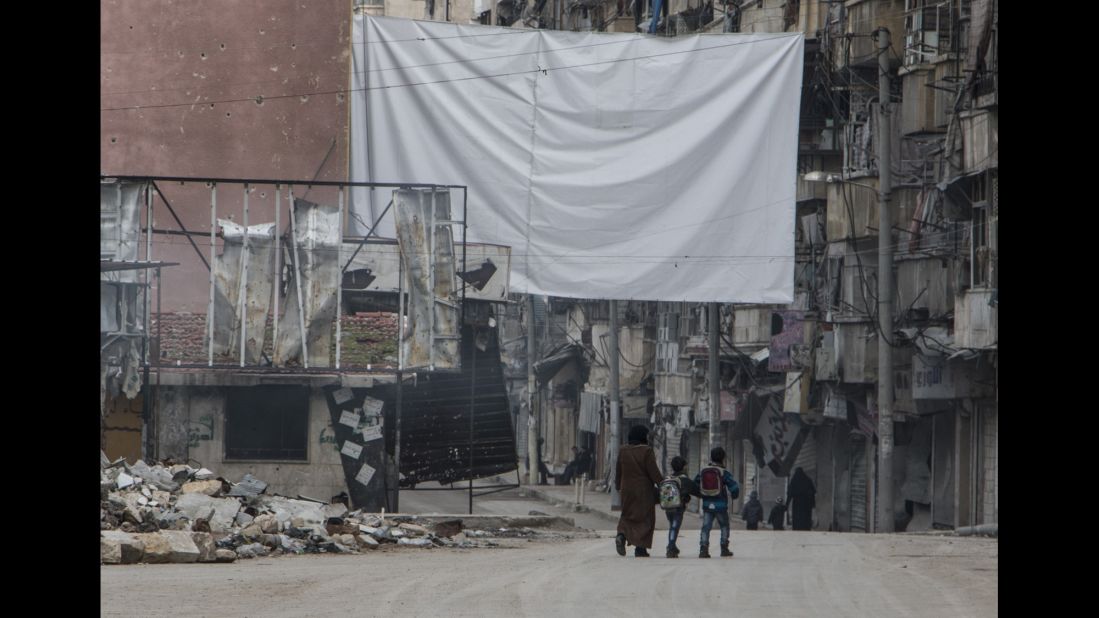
[
  {"x": 339, "y": 96},
  {"x": 222, "y": 45},
  {"x": 203, "y": 55},
  {"x": 293, "y": 46},
  {"x": 114, "y": 140},
  {"x": 228, "y": 114}
]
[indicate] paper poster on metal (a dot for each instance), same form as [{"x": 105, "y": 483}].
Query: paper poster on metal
[
  {"x": 351, "y": 449},
  {"x": 365, "y": 474}
]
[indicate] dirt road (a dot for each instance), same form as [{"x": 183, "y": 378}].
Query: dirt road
[{"x": 772, "y": 574}]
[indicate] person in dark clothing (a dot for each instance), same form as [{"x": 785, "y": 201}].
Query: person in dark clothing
[
  {"x": 543, "y": 471},
  {"x": 687, "y": 488},
  {"x": 572, "y": 469},
  {"x": 801, "y": 495},
  {"x": 778, "y": 515},
  {"x": 635, "y": 477},
  {"x": 752, "y": 513}
]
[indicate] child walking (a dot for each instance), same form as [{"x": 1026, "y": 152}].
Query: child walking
[
  {"x": 675, "y": 493},
  {"x": 716, "y": 486}
]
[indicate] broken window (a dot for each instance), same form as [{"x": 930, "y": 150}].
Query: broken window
[{"x": 267, "y": 422}]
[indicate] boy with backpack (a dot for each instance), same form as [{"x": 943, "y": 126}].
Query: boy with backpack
[
  {"x": 716, "y": 485},
  {"x": 675, "y": 493}
]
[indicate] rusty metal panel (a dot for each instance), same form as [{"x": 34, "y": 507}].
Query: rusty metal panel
[
  {"x": 423, "y": 221},
  {"x": 852, "y": 210},
  {"x": 975, "y": 323},
  {"x": 857, "y": 352},
  {"x": 925, "y": 284},
  {"x": 227, "y": 279},
  {"x": 675, "y": 390},
  {"x": 312, "y": 256},
  {"x": 980, "y": 140}
]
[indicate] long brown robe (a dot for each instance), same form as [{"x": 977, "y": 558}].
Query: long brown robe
[{"x": 635, "y": 477}]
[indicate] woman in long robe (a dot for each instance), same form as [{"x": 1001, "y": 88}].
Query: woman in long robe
[
  {"x": 801, "y": 495},
  {"x": 636, "y": 477}
]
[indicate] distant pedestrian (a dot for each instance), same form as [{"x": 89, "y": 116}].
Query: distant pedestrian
[
  {"x": 716, "y": 486},
  {"x": 635, "y": 477},
  {"x": 572, "y": 470},
  {"x": 778, "y": 515},
  {"x": 543, "y": 471},
  {"x": 675, "y": 493},
  {"x": 802, "y": 498},
  {"x": 752, "y": 513}
]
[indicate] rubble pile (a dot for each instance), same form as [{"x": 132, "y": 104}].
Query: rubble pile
[{"x": 176, "y": 513}]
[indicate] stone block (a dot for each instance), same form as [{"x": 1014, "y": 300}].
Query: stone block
[
  {"x": 204, "y": 541},
  {"x": 157, "y": 548},
  {"x": 132, "y": 548},
  {"x": 182, "y": 544},
  {"x": 110, "y": 551},
  {"x": 197, "y": 505},
  {"x": 225, "y": 555},
  {"x": 268, "y": 523},
  {"x": 211, "y": 487}
]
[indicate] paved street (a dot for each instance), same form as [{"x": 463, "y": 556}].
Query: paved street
[{"x": 773, "y": 574}]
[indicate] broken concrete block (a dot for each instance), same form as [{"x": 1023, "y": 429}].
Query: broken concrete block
[
  {"x": 204, "y": 541},
  {"x": 420, "y": 542},
  {"x": 225, "y": 555},
  {"x": 448, "y": 528},
  {"x": 413, "y": 529},
  {"x": 367, "y": 541},
  {"x": 158, "y": 476},
  {"x": 157, "y": 548},
  {"x": 124, "y": 480},
  {"x": 203, "y": 474},
  {"x": 251, "y": 531},
  {"x": 243, "y": 519},
  {"x": 268, "y": 523},
  {"x": 210, "y": 487},
  {"x": 182, "y": 544},
  {"x": 110, "y": 551},
  {"x": 341, "y": 548},
  {"x": 397, "y": 533},
  {"x": 334, "y": 510},
  {"x": 309, "y": 514},
  {"x": 132, "y": 548},
  {"x": 251, "y": 550},
  {"x": 199, "y": 505},
  {"x": 248, "y": 486},
  {"x": 346, "y": 539}
]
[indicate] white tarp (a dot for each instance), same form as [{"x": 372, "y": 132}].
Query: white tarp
[{"x": 615, "y": 165}]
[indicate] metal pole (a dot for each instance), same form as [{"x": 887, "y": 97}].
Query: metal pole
[
  {"x": 339, "y": 285},
  {"x": 156, "y": 393},
  {"x": 472, "y": 400},
  {"x": 885, "y": 292},
  {"x": 400, "y": 384},
  {"x": 147, "y": 325},
  {"x": 532, "y": 418},
  {"x": 715, "y": 376},
  {"x": 243, "y": 300},
  {"x": 615, "y": 435},
  {"x": 213, "y": 242},
  {"x": 278, "y": 267},
  {"x": 297, "y": 280}
]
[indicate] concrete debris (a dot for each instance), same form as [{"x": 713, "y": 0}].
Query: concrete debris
[
  {"x": 251, "y": 550},
  {"x": 204, "y": 541},
  {"x": 225, "y": 555},
  {"x": 210, "y": 488},
  {"x": 248, "y": 486},
  {"x": 167, "y": 513}
]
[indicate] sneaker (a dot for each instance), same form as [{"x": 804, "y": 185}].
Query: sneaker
[
  {"x": 673, "y": 552},
  {"x": 725, "y": 553},
  {"x": 704, "y": 552},
  {"x": 620, "y": 544},
  {"x": 640, "y": 552}
]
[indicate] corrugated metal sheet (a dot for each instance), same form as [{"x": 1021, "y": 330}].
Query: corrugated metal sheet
[
  {"x": 858, "y": 488},
  {"x": 316, "y": 234},
  {"x": 427, "y": 252},
  {"x": 807, "y": 457},
  {"x": 675, "y": 389},
  {"x": 590, "y": 406},
  {"x": 857, "y": 352},
  {"x": 975, "y": 320},
  {"x": 435, "y": 424},
  {"x": 925, "y": 284},
  {"x": 227, "y": 279}
]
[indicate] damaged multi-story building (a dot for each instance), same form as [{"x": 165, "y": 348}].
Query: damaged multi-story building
[{"x": 797, "y": 383}]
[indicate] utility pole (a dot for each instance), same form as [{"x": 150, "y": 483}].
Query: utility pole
[
  {"x": 885, "y": 292},
  {"x": 714, "y": 320},
  {"x": 612, "y": 456},
  {"x": 532, "y": 399}
]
